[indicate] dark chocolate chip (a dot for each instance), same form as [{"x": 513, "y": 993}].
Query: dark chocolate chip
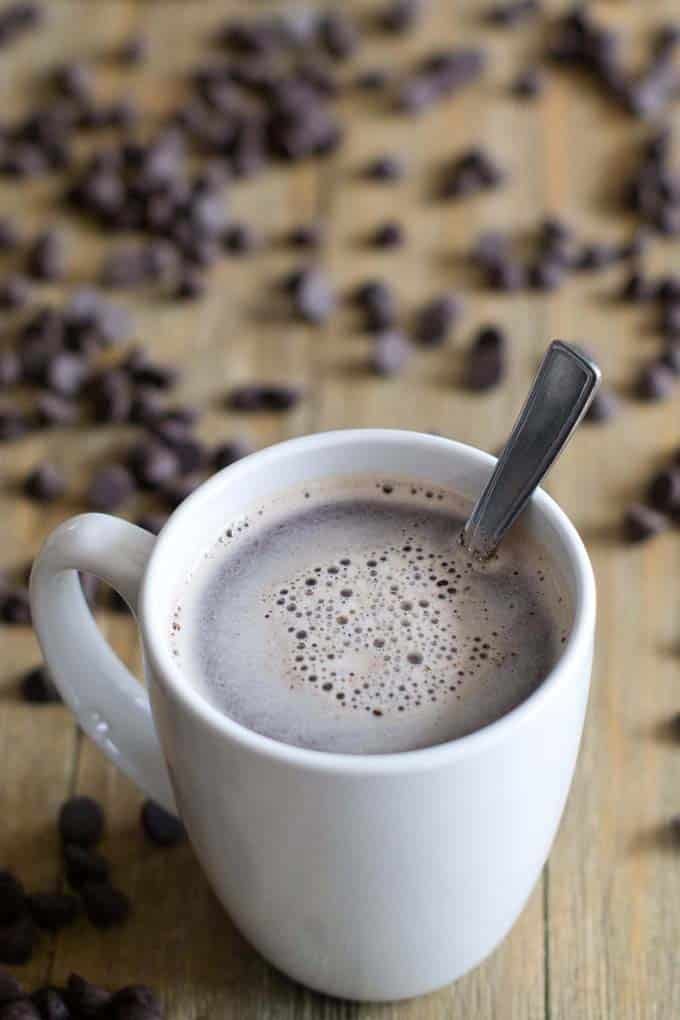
[
  {"x": 386, "y": 168},
  {"x": 84, "y": 999},
  {"x": 152, "y": 522},
  {"x": 53, "y": 910},
  {"x": 513, "y": 12},
  {"x": 485, "y": 364},
  {"x": 10, "y": 989},
  {"x": 12, "y": 898},
  {"x": 15, "y": 607},
  {"x": 47, "y": 256},
  {"x": 597, "y": 256},
  {"x": 474, "y": 170},
  {"x": 133, "y": 50},
  {"x": 435, "y": 320},
  {"x": 307, "y": 235},
  {"x": 389, "y": 235},
  {"x": 190, "y": 452},
  {"x": 17, "y": 942},
  {"x": 264, "y": 397},
  {"x": 110, "y": 487},
  {"x": 81, "y": 821},
  {"x": 389, "y": 353},
  {"x": 400, "y": 16},
  {"x": 670, "y": 357},
  {"x": 378, "y": 303},
  {"x": 38, "y": 689},
  {"x": 229, "y": 452},
  {"x": 45, "y": 483},
  {"x": 239, "y": 239},
  {"x": 603, "y": 407},
  {"x": 636, "y": 287},
  {"x": 136, "y": 1002},
  {"x": 160, "y": 826},
  {"x": 15, "y": 292},
  {"x": 10, "y": 236},
  {"x": 191, "y": 285},
  {"x": 506, "y": 274},
  {"x": 664, "y": 491},
  {"x": 313, "y": 297},
  {"x": 655, "y": 382},
  {"x": 546, "y": 275},
  {"x": 338, "y": 34},
  {"x": 152, "y": 464},
  {"x": 10, "y": 368},
  {"x": 529, "y": 83},
  {"x": 112, "y": 397},
  {"x": 84, "y": 865},
  {"x": 65, "y": 373},
  {"x": 176, "y": 490},
  {"x": 74, "y": 80},
  {"x": 372, "y": 79},
  {"x": 105, "y": 905},
  {"x": 641, "y": 522},
  {"x": 51, "y": 1004}
]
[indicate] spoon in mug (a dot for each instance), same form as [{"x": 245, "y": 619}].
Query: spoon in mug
[{"x": 566, "y": 382}]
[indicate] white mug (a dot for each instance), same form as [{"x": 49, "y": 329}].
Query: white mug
[{"x": 368, "y": 877}]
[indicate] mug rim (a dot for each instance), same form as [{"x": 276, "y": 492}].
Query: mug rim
[{"x": 168, "y": 675}]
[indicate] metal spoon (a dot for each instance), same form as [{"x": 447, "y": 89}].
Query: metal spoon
[{"x": 566, "y": 382}]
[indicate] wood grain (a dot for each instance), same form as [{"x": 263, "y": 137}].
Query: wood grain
[{"x": 599, "y": 938}]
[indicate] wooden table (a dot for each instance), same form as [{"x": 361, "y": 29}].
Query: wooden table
[{"x": 600, "y": 937}]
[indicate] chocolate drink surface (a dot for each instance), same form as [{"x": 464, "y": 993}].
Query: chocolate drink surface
[{"x": 346, "y": 617}]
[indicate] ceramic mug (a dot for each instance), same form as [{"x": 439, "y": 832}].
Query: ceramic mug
[{"x": 363, "y": 876}]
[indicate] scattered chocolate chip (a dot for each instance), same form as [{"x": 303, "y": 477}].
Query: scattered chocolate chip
[
  {"x": 81, "y": 821},
  {"x": 338, "y": 34},
  {"x": 603, "y": 407},
  {"x": 529, "y": 83},
  {"x": 152, "y": 464},
  {"x": 12, "y": 898},
  {"x": 378, "y": 304},
  {"x": 473, "y": 171},
  {"x": 10, "y": 988},
  {"x": 664, "y": 491},
  {"x": 84, "y": 999},
  {"x": 160, "y": 826},
  {"x": 15, "y": 607},
  {"x": 641, "y": 522},
  {"x": 17, "y": 942},
  {"x": 655, "y": 382},
  {"x": 400, "y": 16},
  {"x": 389, "y": 235},
  {"x": 239, "y": 239},
  {"x": 229, "y": 452},
  {"x": 104, "y": 905},
  {"x": 47, "y": 256},
  {"x": 10, "y": 368},
  {"x": 307, "y": 235},
  {"x": 190, "y": 286},
  {"x": 84, "y": 866},
  {"x": 670, "y": 358},
  {"x": 264, "y": 397},
  {"x": 485, "y": 364},
  {"x": 37, "y": 687},
  {"x": 133, "y": 50},
  {"x": 51, "y": 1004},
  {"x": 546, "y": 275},
  {"x": 389, "y": 353},
  {"x": 15, "y": 292},
  {"x": 386, "y": 168},
  {"x": 45, "y": 483},
  {"x": 514, "y": 12},
  {"x": 53, "y": 910},
  {"x": 372, "y": 79},
  {"x": 506, "y": 275},
  {"x": 438, "y": 76},
  {"x": 435, "y": 320},
  {"x": 10, "y": 236},
  {"x": 636, "y": 287},
  {"x": 312, "y": 295},
  {"x": 112, "y": 396},
  {"x": 110, "y": 487}
]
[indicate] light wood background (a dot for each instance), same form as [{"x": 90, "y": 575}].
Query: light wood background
[{"x": 600, "y": 937}]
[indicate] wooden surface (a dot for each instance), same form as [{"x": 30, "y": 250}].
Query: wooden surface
[{"x": 600, "y": 937}]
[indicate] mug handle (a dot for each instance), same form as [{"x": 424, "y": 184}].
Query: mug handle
[{"x": 110, "y": 705}]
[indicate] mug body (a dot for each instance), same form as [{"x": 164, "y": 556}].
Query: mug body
[{"x": 367, "y": 877}]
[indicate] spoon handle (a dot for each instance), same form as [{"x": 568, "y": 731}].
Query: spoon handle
[{"x": 564, "y": 386}]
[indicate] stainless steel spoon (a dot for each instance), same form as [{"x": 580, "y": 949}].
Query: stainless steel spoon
[{"x": 566, "y": 382}]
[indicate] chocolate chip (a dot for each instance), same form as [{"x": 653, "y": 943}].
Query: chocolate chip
[
  {"x": 74, "y": 80},
  {"x": 485, "y": 364},
  {"x": 307, "y": 235},
  {"x": 84, "y": 865},
  {"x": 110, "y": 487},
  {"x": 400, "y": 16},
  {"x": 264, "y": 397},
  {"x": 670, "y": 358},
  {"x": 10, "y": 236},
  {"x": 190, "y": 286},
  {"x": 506, "y": 275},
  {"x": 84, "y": 999},
  {"x": 160, "y": 826},
  {"x": 10, "y": 368},
  {"x": 190, "y": 452},
  {"x": 17, "y": 942},
  {"x": 12, "y": 898},
  {"x": 546, "y": 275},
  {"x": 655, "y": 382},
  {"x": 670, "y": 319},
  {"x": 641, "y": 522},
  {"x": 229, "y": 452},
  {"x": 152, "y": 522},
  {"x": 10, "y": 989},
  {"x": 435, "y": 319},
  {"x": 21, "y": 1009},
  {"x": 45, "y": 483},
  {"x": 152, "y": 464},
  {"x": 312, "y": 295},
  {"x": 136, "y": 1002},
  {"x": 636, "y": 287},
  {"x": 15, "y": 292},
  {"x": 389, "y": 235},
  {"x": 148, "y": 373},
  {"x": 81, "y": 821},
  {"x": 112, "y": 396},
  {"x": 474, "y": 170},
  {"x": 53, "y": 910},
  {"x": 105, "y": 905},
  {"x": 512, "y": 13},
  {"x": 597, "y": 256},
  {"x": 664, "y": 491},
  {"x": 378, "y": 303},
  {"x": 65, "y": 373},
  {"x": 603, "y": 407},
  {"x": 51, "y": 1004},
  {"x": 239, "y": 239},
  {"x": 47, "y": 256},
  {"x": 372, "y": 79},
  {"x": 52, "y": 409},
  {"x": 390, "y": 352},
  {"x": 15, "y": 607},
  {"x": 37, "y": 687},
  {"x": 134, "y": 50},
  {"x": 438, "y": 76},
  {"x": 176, "y": 490},
  {"x": 529, "y": 83},
  {"x": 338, "y": 34},
  {"x": 386, "y": 168}
]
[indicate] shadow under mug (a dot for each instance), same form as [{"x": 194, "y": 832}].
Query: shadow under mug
[{"x": 370, "y": 877}]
